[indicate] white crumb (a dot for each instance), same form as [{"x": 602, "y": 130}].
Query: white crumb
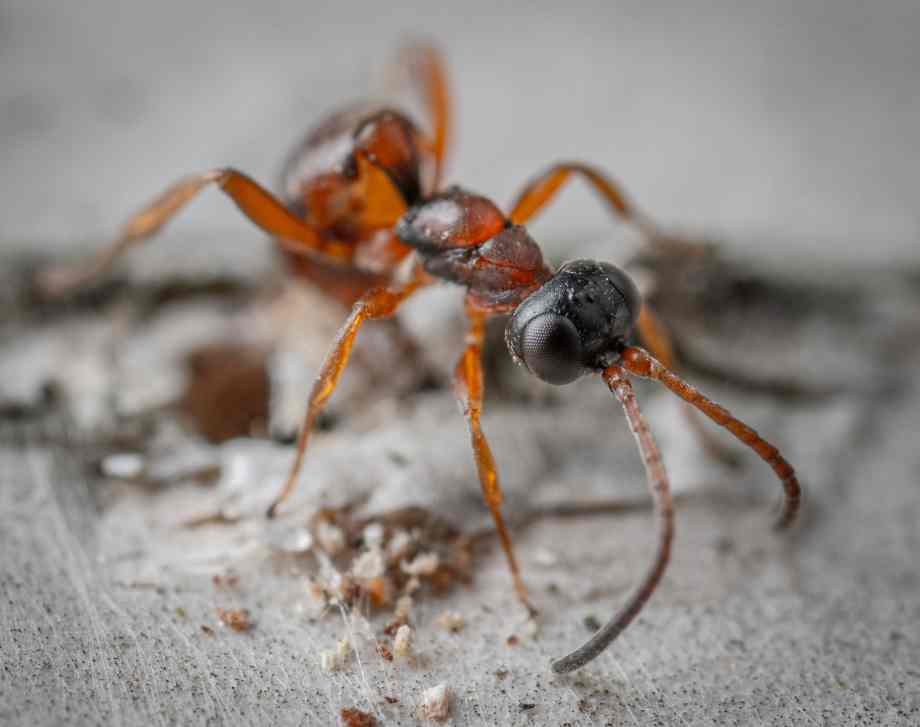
[
  {"x": 373, "y": 535},
  {"x": 368, "y": 565},
  {"x": 435, "y": 704},
  {"x": 451, "y": 621},
  {"x": 424, "y": 564},
  {"x": 402, "y": 643},
  {"x": 330, "y": 537}
]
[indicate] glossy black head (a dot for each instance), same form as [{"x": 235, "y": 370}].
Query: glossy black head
[{"x": 575, "y": 322}]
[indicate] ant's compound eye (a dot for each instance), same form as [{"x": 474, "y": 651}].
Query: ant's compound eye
[{"x": 551, "y": 348}]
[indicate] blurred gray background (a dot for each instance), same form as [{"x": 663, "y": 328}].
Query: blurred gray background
[{"x": 776, "y": 121}]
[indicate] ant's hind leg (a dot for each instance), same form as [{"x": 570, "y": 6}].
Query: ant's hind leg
[
  {"x": 377, "y": 303},
  {"x": 259, "y": 205},
  {"x": 469, "y": 391},
  {"x": 423, "y": 66},
  {"x": 656, "y": 339}
]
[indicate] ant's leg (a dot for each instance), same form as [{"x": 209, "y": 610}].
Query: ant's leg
[
  {"x": 541, "y": 189},
  {"x": 425, "y": 68},
  {"x": 616, "y": 379},
  {"x": 377, "y": 303},
  {"x": 469, "y": 391},
  {"x": 291, "y": 232},
  {"x": 641, "y": 363},
  {"x": 656, "y": 338}
]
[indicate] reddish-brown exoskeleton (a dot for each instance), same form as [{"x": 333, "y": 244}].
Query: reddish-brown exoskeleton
[{"x": 363, "y": 217}]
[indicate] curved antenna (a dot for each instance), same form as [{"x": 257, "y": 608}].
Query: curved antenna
[
  {"x": 642, "y": 363},
  {"x": 615, "y": 377}
]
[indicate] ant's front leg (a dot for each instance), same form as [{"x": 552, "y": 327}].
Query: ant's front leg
[
  {"x": 259, "y": 205},
  {"x": 377, "y": 303},
  {"x": 468, "y": 387}
]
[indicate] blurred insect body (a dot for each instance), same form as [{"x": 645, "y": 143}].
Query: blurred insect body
[{"x": 364, "y": 217}]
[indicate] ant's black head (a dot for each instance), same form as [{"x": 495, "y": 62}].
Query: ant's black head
[{"x": 574, "y": 321}]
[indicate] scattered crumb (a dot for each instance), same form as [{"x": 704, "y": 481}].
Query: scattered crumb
[
  {"x": 328, "y": 661},
  {"x": 236, "y": 618},
  {"x": 391, "y": 700},
  {"x": 584, "y": 706},
  {"x": 526, "y": 706},
  {"x": 123, "y": 466},
  {"x": 531, "y": 629},
  {"x": 502, "y": 674},
  {"x": 545, "y": 557},
  {"x": 512, "y": 640},
  {"x": 402, "y": 644},
  {"x": 330, "y": 537},
  {"x": 343, "y": 651},
  {"x": 331, "y": 660},
  {"x": 424, "y": 564},
  {"x": 368, "y": 565},
  {"x": 207, "y": 630},
  {"x": 383, "y": 649},
  {"x": 180, "y": 612},
  {"x": 435, "y": 703},
  {"x": 400, "y": 615},
  {"x": 451, "y": 621},
  {"x": 357, "y": 718},
  {"x": 373, "y": 535},
  {"x": 400, "y": 542}
]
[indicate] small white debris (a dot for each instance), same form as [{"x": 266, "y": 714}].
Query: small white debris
[
  {"x": 424, "y": 564},
  {"x": 435, "y": 703},
  {"x": 373, "y": 535},
  {"x": 402, "y": 643},
  {"x": 545, "y": 557},
  {"x": 399, "y": 543},
  {"x": 412, "y": 585},
  {"x": 123, "y": 466},
  {"x": 330, "y": 537},
  {"x": 289, "y": 540},
  {"x": 368, "y": 565},
  {"x": 328, "y": 660},
  {"x": 403, "y": 608},
  {"x": 531, "y": 629},
  {"x": 451, "y": 621},
  {"x": 343, "y": 651},
  {"x": 331, "y": 660}
]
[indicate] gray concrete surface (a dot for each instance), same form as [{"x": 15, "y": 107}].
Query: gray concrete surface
[{"x": 786, "y": 132}]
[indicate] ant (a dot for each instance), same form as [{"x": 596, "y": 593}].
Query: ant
[{"x": 364, "y": 217}]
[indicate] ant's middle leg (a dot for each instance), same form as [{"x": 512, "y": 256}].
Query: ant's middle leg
[
  {"x": 259, "y": 205},
  {"x": 377, "y": 303},
  {"x": 540, "y": 190},
  {"x": 469, "y": 391}
]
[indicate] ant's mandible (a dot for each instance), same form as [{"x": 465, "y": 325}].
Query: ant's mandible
[{"x": 364, "y": 217}]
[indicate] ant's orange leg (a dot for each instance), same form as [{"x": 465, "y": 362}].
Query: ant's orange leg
[
  {"x": 468, "y": 388},
  {"x": 641, "y": 363},
  {"x": 540, "y": 190},
  {"x": 655, "y": 336},
  {"x": 259, "y": 205},
  {"x": 616, "y": 379},
  {"x": 377, "y": 303},
  {"x": 425, "y": 67}
]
